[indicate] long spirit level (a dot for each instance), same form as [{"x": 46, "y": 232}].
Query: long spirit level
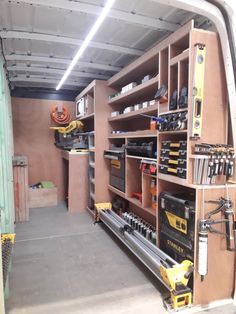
[{"x": 198, "y": 90}]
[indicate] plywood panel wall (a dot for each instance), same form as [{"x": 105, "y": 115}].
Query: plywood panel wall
[{"x": 32, "y": 138}]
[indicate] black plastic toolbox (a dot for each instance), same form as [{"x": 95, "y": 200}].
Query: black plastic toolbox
[{"x": 177, "y": 212}]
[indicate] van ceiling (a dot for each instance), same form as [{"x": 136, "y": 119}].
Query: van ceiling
[{"x": 40, "y": 37}]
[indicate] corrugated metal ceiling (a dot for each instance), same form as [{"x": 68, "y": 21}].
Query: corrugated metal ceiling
[{"x": 40, "y": 37}]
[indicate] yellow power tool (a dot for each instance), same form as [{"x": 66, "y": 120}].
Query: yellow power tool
[{"x": 67, "y": 129}]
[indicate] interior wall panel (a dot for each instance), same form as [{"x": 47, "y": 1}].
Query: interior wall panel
[{"x": 33, "y": 138}]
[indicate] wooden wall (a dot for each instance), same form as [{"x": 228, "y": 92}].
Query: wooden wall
[{"x": 32, "y": 137}]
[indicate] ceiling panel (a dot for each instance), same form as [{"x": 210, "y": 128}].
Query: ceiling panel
[{"x": 122, "y": 32}]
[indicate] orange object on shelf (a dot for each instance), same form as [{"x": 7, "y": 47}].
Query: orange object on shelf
[{"x": 60, "y": 115}]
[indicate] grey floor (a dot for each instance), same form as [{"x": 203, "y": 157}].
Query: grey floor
[{"x": 62, "y": 263}]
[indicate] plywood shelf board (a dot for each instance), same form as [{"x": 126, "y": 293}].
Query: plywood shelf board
[
  {"x": 135, "y": 93},
  {"x": 87, "y": 117},
  {"x": 87, "y": 90},
  {"x": 137, "y": 134},
  {"x": 139, "y": 204},
  {"x": 173, "y": 111},
  {"x": 182, "y": 56},
  {"x": 173, "y": 132},
  {"x": 116, "y": 191},
  {"x": 134, "y": 114},
  {"x": 139, "y": 157}
]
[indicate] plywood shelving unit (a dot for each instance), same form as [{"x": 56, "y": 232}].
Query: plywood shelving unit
[
  {"x": 94, "y": 123},
  {"x": 171, "y": 63}
]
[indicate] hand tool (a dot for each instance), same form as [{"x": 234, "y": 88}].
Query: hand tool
[
  {"x": 183, "y": 98},
  {"x": 173, "y": 100},
  {"x": 198, "y": 91}
]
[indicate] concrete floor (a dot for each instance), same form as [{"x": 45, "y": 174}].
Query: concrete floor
[{"x": 63, "y": 264}]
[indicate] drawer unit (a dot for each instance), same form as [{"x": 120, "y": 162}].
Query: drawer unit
[
  {"x": 173, "y": 158},
  {"x": 117, "y": 166}
]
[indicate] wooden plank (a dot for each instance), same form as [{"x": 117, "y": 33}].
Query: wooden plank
[
  {"x": 133, "y": 114},
  {"x": 87, "y": 90},
  {"x": 36, "y": 141},
  {"x": 136, "y": 134},
  {"x": 182, "y": 56},
  {"x": 20, "y": 178},
  {"x": 78, "y": 182}
]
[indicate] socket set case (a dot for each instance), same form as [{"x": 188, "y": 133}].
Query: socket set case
[{"x": 173, "y": 158}]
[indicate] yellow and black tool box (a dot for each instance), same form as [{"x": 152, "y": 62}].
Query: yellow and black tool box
[
  {"x": 176, "y": 246},
  {"x": 174, "y": 153},
  {"x": 180, "y": 145},
  {"x": 180, "y": 163},
  {"x": 171, "y": 169},
  {"x": 177, "y": 212}
]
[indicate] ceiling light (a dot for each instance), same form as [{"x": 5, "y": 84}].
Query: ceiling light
[{"x": 87, "y": 40}]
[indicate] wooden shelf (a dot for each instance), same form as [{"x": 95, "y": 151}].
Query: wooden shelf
[
  {"x": 174, "y": 179},
  {"x": 149, "y": 175},
  {"x": 146, "y": 88},
  {"x": 131, "y": 200},
  {"x": 182, "y": 56},
  {"x": 135, "y": 114},
  {"x": 136, "y": 134},
  {"x": 139, "y": 204},
  {"x": 87, "y": 90},
  {"x": 173, "y": 111},
  {"x": 87, "y": 117},
  {"x": 139, "y": 157},
  {"x": 116, "y": 191},
  {"x": 150, "y": 210},
  {"x": 173, "y": 132}
]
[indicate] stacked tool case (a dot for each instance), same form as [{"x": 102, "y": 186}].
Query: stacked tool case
[
  {"x": 177, "y": 225},
  {"x": 173, "y": 158}
]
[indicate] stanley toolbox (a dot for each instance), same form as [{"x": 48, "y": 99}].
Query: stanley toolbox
[
  {"x": 177, "y": 247},
  {"x": 177, "y": 221}
]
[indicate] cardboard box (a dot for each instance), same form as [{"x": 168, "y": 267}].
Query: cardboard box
[{"x": 42, "y": 197}]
